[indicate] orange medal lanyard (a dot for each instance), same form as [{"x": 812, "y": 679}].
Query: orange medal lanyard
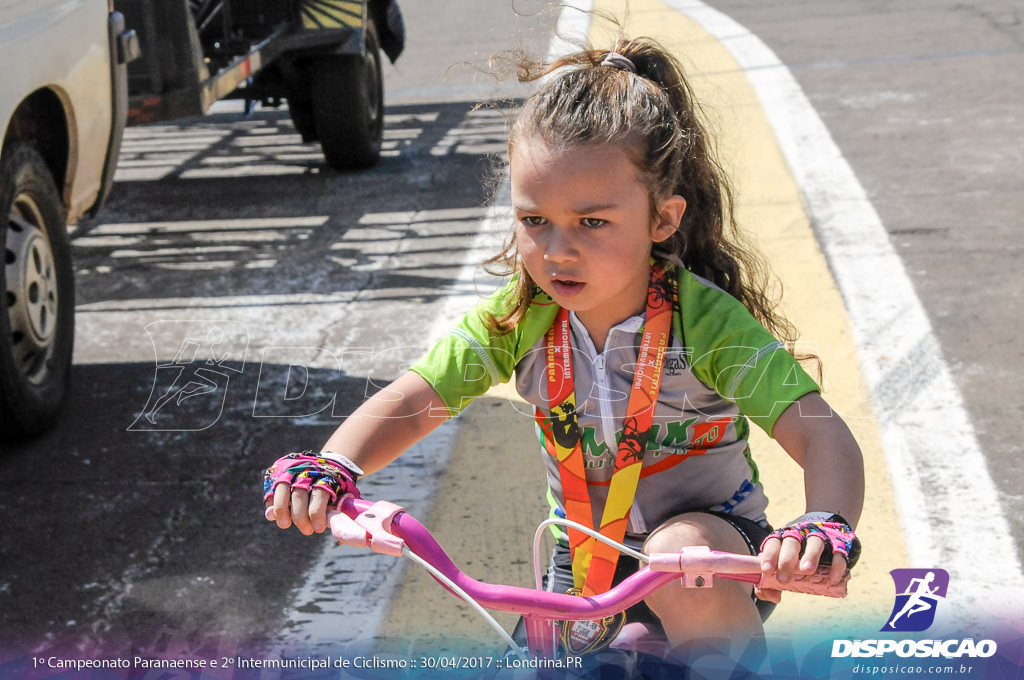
[{"x": 593, "y": 562}]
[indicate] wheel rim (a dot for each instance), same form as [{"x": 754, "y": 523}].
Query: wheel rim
[{"x": 32, "y": 294}]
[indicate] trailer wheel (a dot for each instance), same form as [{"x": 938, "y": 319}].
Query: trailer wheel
[
  {"x": 348, "y": 105},
  {"x": 37, "y": 321},
  {"x": 300, "y": 108}
]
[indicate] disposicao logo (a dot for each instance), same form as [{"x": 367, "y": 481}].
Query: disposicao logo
[{"x": 918, "y": 592}]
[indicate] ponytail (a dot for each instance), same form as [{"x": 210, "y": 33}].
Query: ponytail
[{"x": 637, "y": 95}]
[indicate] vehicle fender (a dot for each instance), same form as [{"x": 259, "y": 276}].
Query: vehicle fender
[{"x": 390, "y": 27}]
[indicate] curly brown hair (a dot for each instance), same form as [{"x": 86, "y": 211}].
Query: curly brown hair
[{"x": 654, "y": 115}]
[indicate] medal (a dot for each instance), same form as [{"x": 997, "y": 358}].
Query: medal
[{"x": 581, "y": 637}]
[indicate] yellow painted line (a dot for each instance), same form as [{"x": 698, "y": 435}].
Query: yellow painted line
[
  {"x": 928, "y": 436},
  {"x": 492, "y": 494},
  {"x": 770, "y": 207}
]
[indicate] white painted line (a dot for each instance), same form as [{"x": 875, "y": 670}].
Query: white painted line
[
  {"x": 345, "y": 596},
  {"x": 949, "y": 506},
  {"x": 572, "y": 29}
]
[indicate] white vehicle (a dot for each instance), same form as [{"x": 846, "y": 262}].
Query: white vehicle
[{"x": 63, "y": 105}]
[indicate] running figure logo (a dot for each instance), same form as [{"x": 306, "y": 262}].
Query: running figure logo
[
  {"x": 917, "y": 594},
  {"x": 189, "y": 391}
]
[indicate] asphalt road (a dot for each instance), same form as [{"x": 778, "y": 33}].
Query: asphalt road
[
  {"x": 229, "y": 257},
  {"x": 923, "y": 100}
]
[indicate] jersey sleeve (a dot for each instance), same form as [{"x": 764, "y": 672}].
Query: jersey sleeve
[
  {"x": 731, "y": 352},
  {"x": 472, "y": 358}
]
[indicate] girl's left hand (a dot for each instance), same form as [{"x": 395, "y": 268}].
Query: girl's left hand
[{"x": 811, "y": 541}]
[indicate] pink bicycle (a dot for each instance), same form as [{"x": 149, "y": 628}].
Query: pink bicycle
[{"x": 386, "y": 528}]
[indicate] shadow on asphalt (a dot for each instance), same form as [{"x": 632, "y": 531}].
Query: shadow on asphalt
[
  {"x": 138, "y": 515},
  {"x": 113, "y": 534}
]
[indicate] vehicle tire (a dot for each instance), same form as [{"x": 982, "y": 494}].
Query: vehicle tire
[
  {"x": 37, "y": 322},
  {"x": 348, "y": 105},
  {"x": 300, "y": 108}
]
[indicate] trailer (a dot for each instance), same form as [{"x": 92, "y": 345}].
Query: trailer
[{"x": 321, "y": 58}]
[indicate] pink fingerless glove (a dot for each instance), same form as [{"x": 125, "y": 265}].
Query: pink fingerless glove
[
  {"x": 833, "y": 529},
  {"x": 334, "y": 473}
]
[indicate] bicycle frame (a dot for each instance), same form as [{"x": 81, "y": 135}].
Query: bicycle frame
[{"x": 387, "y": 528}]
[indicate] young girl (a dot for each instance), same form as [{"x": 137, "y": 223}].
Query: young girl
[{"x": 634, "y": 324}]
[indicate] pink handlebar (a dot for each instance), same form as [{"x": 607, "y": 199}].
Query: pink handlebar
[
  {"x": 514, "y": 599},
  {"x": 387, "y": 528},
  {"x": 698, "y": 564}
]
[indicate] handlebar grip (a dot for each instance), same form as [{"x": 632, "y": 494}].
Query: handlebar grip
[
  {"x": 369, "y": 528},
  {"x": 818, "y": 583}
]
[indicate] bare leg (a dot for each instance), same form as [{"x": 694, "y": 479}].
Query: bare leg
[{"x": 723, "y": 617}]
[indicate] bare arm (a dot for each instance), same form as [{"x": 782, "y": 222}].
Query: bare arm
[
  {"x": 377, "y": 433},
  {"x": 818, "y": 439},
  {"x": 388, "y": 423}
]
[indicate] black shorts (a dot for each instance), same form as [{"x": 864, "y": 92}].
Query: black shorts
[{"x": 559, "y": 575}]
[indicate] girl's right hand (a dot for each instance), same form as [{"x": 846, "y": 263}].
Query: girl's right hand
[{"x": 299, "y": 488}]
